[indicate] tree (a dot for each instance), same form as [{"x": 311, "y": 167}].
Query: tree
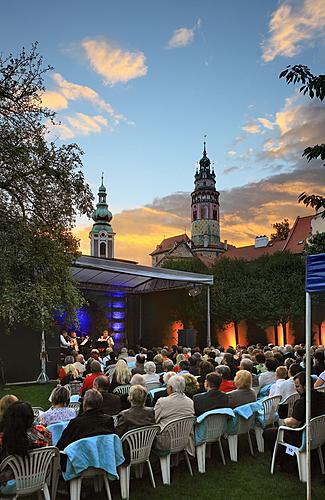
[
  {"x": 315, "y": 244},
  {"x": 282, "y": 230},
  {"x": 42, "y": 189},
  {"x": 315, "y": 87}
]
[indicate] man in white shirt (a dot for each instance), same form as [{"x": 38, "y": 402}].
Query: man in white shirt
[{"x": 64, "y": 341}]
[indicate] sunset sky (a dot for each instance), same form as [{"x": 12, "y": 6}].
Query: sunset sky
[{"x": 137, "y": 84}]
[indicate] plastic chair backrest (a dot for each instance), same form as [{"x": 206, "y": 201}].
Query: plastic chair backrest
[
  {"x": 270, "y": 407},
  {"x": 215, "y": 427},
  {"x": 110, "y": 370},
  {"x": 75, "y": 405},
  {"x": 178, "y": 432},
  {"x": 317, "y": 431},
  {"x": 244, "y": 425},
  {"x": 152, "y": 385},
  {"x": 140, "y": 442},
  {"x": 74, "y": 387},
  {"x": 31, "y": 472},
  {"x": 290, "y": 401},
  {"x": 122, "y": 389},
  {"x": 37, "y": 410}
]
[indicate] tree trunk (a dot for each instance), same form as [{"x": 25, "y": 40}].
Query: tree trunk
[
  {"x": 236, "y": 333},
  {"x": 320, "y": 333},
  {"x": 284, "y": 328},
  {"x": 276, "y": 340}
]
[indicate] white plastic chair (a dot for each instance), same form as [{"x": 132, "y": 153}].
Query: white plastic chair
[
  {"x": 152, "y": 385},
  {"x": 290, "y": 401},
  {"x": 75, "y": 405},
  {"x": 177, "y": 434},
  {"x": 110, "y": 370},
  {"x": 215, "y": 428},
  {"x": 32, "y": 471},
  {"x": 37, "y": 410},
  {"x": 122, "y": 390},
  {"x": 244, "y": 426},
  {"x": 317, "y": 436},
  {"x": 139, "y": 442},
  {"x": 91, "y": 472},
  {"x": 74, "y": 387},
  {"x": 270, "y": 408}
]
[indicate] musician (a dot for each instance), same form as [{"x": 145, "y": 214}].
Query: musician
[
  {"x": 106, "y": 337},
  {"x": 65, "y": 342},
  {"x": 74, "y": 342}
]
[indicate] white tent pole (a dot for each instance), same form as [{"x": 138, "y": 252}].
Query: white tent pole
[
  {"x": 308, "y": 391},
  {"x": 208, "y": 318}
]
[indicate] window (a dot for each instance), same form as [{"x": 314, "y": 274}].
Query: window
[
  {"x": 194, "y": 214},
  {"x": 102, "y": 250}
]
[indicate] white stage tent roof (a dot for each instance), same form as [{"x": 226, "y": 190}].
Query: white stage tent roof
[{"x": 96, "y": 273}]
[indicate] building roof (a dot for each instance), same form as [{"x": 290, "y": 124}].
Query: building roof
[
  {"x": 299, "y": 233},
  {"x": 168, "y": 243}
]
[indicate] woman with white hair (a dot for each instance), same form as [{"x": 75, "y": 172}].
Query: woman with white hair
[{"x": 150, "y": 376}]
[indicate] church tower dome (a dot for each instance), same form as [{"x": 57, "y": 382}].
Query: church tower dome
[{"x": 102, "y": 235}]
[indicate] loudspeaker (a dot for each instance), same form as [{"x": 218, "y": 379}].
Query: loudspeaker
[{"x": 187, "y": 338}]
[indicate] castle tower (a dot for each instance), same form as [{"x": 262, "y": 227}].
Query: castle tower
[
  {"x": 102, "y": 235},
  {"x": 205, "y": 209}
]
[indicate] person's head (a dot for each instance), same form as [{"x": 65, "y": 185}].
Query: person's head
[
  {"x": 92, "y": 400},
  {"x": 184, "y": 365},
  {"x": 94, "y": 354},
  {"x": 150, "y": 356},
  {"x": 281, "y": 372},
  {"x": 112, "y": 355},
  {"x": 243, "y": 379},
  {"x": 260, "y": 358},
  {"x": 68, "y": 360},
  {"x": 228, "y": 359},
  {"x": 137, "y": 379},
  {"x": 158, "y": 359},
  {"x": 150, "y": 367},
  {"x": 176, "y": 384},
  {"x": 319, "y": 356},
  {"x": 167, "y": 376},
  {"x": 122, "y": 373},
  {"x": 168, "y": 365},
  {"x": 73, "y": 335},
  {"x": 246, "y": 364},
  {"x": 5, "y": 402},
  {"x": 101, "y": 384},
  {"x": 80, "y": 359},
  {"x": 224, "y": 371},
  {"x": 191, "y": 384},
  {"x": 205, "y": 367},
  {"x": 294, "y": 369},
  {"x": 64, "y": 333},
  {"x": 137, "y": 395},
  {"x": 105, "y": 334},
  {"x": 60, "y": 396},
  {"x": 140, "y": 360},
  {"x": 271, "y": 364},
  {"x": 288, "y": 362},
  {"x": 17, "y": 419},
  {"x": 212, "y": 381},
  {"x": 300, "y": 382},
  {"x": 95, "y": 367},
  {"x": 180, "y": 357},
  {"x": 71, "y": 371}
]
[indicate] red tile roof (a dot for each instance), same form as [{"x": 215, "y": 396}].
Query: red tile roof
[
  {"x": 299, "y": 233},
  {"x": 168, "y": 243}
]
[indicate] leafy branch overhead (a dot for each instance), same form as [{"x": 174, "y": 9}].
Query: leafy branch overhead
[{"x": 314, "y": 86}]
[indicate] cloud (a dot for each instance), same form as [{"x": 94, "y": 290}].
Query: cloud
[
  {"x": 112, "y": 63},
  {"x": 228, "y": 170},
  {"x": 180, "y": 38},
  {"x": 252, "y": 128},
  {"x": 231, "y": 153},
  {"x": 292, "y": 25},
  {"x": 266, "y": 123},
  {"x": 54, "y": 100},
  {"x": 79, "y": 124}
]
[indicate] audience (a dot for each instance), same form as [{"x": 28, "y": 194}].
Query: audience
[
  {"x": 58, "y": 412},
  {"x": 96, "y": 371},
  {"x": 213, "y": 398},
  {"x": 121, "y": 375},
  {"x": 5, "y": 402},
  {"x": 226, "y": 385},
  {"x": 243, "y": 393},
  {"x": 136, "y": 416},
  {"x": 112, "y": 403},
  {"x": 268, "y": 377},
  {"x": 150, "y": 376}
]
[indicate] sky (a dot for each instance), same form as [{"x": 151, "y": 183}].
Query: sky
[{"x": 139, "y": 84}]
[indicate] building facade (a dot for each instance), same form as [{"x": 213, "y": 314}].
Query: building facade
[{"x": 102, "y": 234}]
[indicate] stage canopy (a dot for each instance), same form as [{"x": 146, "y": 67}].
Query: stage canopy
[
  {"x": 315, "y": 275},
  {"x": 96, "y": 273}
]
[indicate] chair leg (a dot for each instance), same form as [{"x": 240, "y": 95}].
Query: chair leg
[
  {"x": 250, "y": 443},
  {"x": 275, "y": 450},
  {"x": 221, "y": 452},
  {"x": 124, "y": 473},
  {"x": 302, "y": 466},
  {"x": 200, "y": 457},
  {"x": 46, "y": 492},
  {"x": 187, "y": 458},
  {"x": 321, "y": 459},
  {"x": 107, "y": 488},
  {"x": 151, "y": 474},
  {"x": 233, "y": 445},
  {"x": 259, "y": 439},
  {"x": 75, "y": 488},
  {"x": 165, "y": 469}
]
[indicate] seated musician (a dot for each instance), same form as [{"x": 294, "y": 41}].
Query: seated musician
[
  {"x": 106, "y": 337},
  {"x": 74, "y": 342}
]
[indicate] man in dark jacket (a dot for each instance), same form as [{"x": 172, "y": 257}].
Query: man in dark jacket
[
  {"x": 213, "y": 398},
  {"x": 112, "y": 404},
  {"x": 92, "y": 422}
]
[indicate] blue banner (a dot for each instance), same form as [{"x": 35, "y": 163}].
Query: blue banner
[{"x": 315, "y": 273}]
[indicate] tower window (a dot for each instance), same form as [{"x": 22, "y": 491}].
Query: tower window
[
  {"x": 194, "y": 215},
  {"x": 215, "y": 214},
  {"x": 102, "y": 249}
]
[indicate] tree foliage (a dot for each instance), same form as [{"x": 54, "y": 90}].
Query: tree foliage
[
  {"x": 282, "y": 230},
  {"x": 314, "y": 86},
  {"x": 42, "y": 189},
  {"x": 315, "y": 244}
]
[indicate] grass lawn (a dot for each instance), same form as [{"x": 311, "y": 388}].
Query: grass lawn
[{"x": 248, "y": 479}]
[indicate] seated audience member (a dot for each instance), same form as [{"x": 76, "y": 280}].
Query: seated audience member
[
  {"x": 243, "y": 394},
  {"x": 191, "y": 385},
  {"x": 158, "y": 360},
  {"x": 5, "y": 402},
  {"x": 19, "y": 435},
  {"x": 130, "y": 357},
  {"x": 136, "y": 416},
  {"x": 268, "y": 377},
  {"x": 137, "y": 379},
  {"x": 229, "y": 360},
  {"x": 281, "y": 374},
  {"x": 96, "y": 371},
  {"x": 179, "y": 357},
  {"x": 111, "y": 402},
  {"x": 121, "y": 375},
  {"x": 260, "y": 363},
  {"x": 226, "y": 385},
  {"x": 184, "y": 367},
  {"x": 123, "y": 353},
  {"x": 212, "y": 358},
  {"x": 320, "y": 382},
  {"x": 150, "y": 376},
  {"x": 111, "y": 359},
  {"x": 94, "y": 356},
  {"x": 107, "y": 356},
  {"x": 162, "y": 393},
  {"x": 194, "y": 366},
  {"x": 247, "y": 364},
  {"x": 79, "y": 364},
  {"x": 71, "y": 375},
  {"x": 319, "y": 362},
  {"x": 213, "y": 398},
  {"x": 139, "y": 364},
  {"x": 59, "y": 411},
  {"x": 297, "y": 419},
  {"x": 92, "y": 422},
  {"x": 68, "y": 360},
  {"x": 205, "y": 367}
]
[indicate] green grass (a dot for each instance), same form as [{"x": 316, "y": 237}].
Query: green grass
[{"x": 248, "y": 479}]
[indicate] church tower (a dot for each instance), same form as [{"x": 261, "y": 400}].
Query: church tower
[
  {"x": 102, "y": 235},
  {"x": 205, "y": 210}
]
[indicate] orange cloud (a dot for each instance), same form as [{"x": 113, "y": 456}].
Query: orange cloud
[{"x": 54, "y": 100}]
